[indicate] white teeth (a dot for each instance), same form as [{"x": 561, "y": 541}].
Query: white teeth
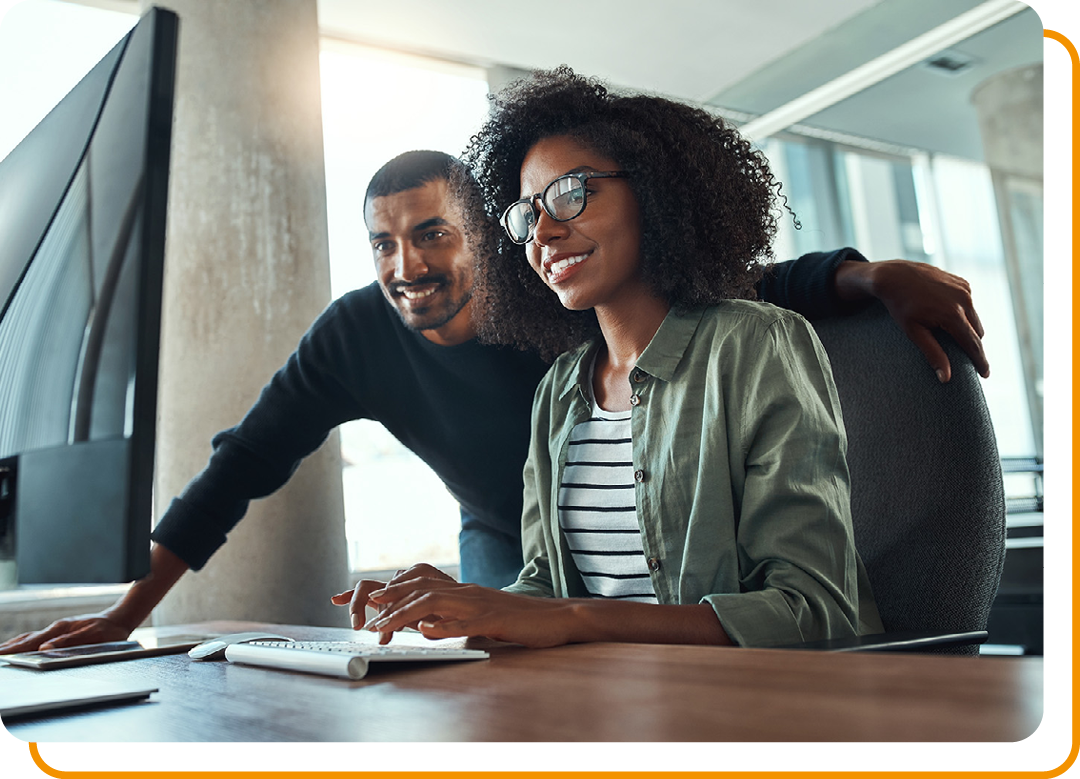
[
  {"x": 558, "y": 267},
  {"x": 413, "y": 294}
]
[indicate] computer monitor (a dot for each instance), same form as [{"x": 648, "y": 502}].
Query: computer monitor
[{"x": 82, "y": 244}]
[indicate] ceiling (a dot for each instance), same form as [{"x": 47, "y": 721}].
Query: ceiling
[
  {"x": 749, "y": 57},
  {"x": 686, "y": 48}
]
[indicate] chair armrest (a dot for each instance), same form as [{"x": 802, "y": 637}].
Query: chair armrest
[{"x": 901, "y": 641}]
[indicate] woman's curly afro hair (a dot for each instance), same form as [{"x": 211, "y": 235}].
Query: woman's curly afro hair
[{"x": 705, "y": 197}]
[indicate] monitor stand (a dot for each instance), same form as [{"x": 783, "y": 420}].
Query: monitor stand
[{"x": 8, "y": 577}]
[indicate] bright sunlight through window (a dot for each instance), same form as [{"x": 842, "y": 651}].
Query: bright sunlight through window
[{"x": 377, "y": 105}]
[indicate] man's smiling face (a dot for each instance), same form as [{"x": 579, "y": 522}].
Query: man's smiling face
[{"x": 422, "y": 260}]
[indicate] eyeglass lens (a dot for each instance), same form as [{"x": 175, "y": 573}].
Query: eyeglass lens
[
  {"x": 519, "y": 220},
  {"x": 563, "y": 199}
]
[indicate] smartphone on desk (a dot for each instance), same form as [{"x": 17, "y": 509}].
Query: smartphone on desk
[{"x": 88, "y": 654}]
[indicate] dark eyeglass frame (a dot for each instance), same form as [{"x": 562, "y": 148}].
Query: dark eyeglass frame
[{"x": 582, "y": 177}]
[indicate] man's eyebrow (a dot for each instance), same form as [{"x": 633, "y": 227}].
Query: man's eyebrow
[{"x": 435, "y": 221}]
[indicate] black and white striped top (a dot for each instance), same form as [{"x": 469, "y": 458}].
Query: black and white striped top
[{"x": 597, "y": 511}]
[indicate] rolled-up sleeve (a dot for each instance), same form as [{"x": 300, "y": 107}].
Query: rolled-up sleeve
[
  {"x": 798, "y": 571},
  {"x": 536, "y": 537}
]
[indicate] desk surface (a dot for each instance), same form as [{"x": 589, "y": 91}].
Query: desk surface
[{"x": 584, "y": 692}]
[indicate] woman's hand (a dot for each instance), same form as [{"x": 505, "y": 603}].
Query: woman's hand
[
  {"x": 71, "y": 631},
  {"x": 427, "y": 599},
  {"x": 357, "y": 599},
  {"x": 440, "y": 607}
]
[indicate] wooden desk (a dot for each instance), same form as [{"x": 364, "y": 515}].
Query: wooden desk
[{"x": 597, "y": 692}]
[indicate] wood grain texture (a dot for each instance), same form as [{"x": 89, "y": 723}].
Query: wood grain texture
[{"x": 594, "y": 692}]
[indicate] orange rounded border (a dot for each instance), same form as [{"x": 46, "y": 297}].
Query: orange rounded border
[
  {"x": 1069, "y": 761},
  {"x": 1071, "y": 49}
]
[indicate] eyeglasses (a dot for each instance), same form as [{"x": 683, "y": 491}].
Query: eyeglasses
[{"x": 563, "y": 199}]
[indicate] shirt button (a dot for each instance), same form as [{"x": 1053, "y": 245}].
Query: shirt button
[
  {"x": 640, "y": 376},
  {"x": 635, "y": 400},
  {"x": 654, "y": 563},
  {"x": 639, "y": 476}
]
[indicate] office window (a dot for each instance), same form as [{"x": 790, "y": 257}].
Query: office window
[
  {"x": 884, "y": 207},
  {"x": 972, "y": 248},
  {"x": 814, "y": 192},
  {"x": 935, "y": 209},
  {"x": 375, "y": 106}
]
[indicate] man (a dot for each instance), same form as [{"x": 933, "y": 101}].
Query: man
[{"x": 403, "y": 352}]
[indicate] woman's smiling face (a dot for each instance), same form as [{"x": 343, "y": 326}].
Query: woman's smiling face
[{"x": 594, "y": 259}]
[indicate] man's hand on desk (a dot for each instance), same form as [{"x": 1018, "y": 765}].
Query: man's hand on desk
[
  {"x": 71, "y": 631},
  {"x": 114, "y": 623}
]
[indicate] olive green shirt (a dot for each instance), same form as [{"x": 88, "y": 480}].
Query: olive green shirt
[{"x": 741, "y": 488}]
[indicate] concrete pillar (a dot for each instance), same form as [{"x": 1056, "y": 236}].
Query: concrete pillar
[
  {"x": 1010, "y": 110},
  {"x": 247, "y": 270}
]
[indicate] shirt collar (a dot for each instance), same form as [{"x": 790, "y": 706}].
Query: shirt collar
[
  {"x": 579, "y": 378},
  {"x": 660, "y": 358},
  {"x": 666, "y": 349}
]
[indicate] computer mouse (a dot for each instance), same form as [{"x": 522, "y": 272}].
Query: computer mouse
[{"x": 215, "y": 647}]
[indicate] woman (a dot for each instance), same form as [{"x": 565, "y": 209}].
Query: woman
[{"x": 686, "y": 481}]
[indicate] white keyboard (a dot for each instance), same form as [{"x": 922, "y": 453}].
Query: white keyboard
[{"x": 346, "y": 659}]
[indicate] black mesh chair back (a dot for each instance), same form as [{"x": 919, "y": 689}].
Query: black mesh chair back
[{"x": 928, "y": 502}]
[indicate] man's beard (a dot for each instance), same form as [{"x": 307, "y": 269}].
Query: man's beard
[{"x": 432, "y": 317}]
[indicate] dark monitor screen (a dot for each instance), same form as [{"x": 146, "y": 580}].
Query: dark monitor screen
[{"x": 82, "y": 241}]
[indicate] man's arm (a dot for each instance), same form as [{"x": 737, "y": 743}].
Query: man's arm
[
  {"x": 114, "y": 623},
  {"x": 919, "y": 296},
  {"x": 307, "y": 398}
]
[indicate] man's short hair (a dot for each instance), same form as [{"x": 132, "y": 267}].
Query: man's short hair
[{"x": 410, "y": 170}]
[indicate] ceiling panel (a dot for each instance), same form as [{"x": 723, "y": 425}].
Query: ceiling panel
[
  {"x": 863, "y": 37},
  {"x": 691, "y": 49},
  {"x": 921, "y": 108}
]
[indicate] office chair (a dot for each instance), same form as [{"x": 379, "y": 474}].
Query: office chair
[{"x": 927, "y": 497}]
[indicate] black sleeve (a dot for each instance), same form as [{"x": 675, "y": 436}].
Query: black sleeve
[
  {"x": 296, "y": 410},
  {"x": 805, "y": 285}
]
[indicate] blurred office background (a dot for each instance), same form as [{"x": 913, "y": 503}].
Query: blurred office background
[{"x": 926, "y": 146}]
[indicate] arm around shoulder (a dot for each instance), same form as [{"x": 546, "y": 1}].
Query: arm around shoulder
[
  {"x": 921, "y": 298},
  {"x": 807, "y": 285}
]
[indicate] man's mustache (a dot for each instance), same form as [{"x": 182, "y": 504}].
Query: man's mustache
[{"x": 435, "y": 278}]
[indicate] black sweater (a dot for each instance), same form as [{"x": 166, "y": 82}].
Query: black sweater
[{"x": 463, "y": 409}]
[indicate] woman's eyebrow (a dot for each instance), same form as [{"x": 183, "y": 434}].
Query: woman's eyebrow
[{"x": 578, "y": 169}]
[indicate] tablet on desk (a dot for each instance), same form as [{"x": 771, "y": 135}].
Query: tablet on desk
[
  {"x": 88, "y": 654},
  {"x": 21, "y": 697}
]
